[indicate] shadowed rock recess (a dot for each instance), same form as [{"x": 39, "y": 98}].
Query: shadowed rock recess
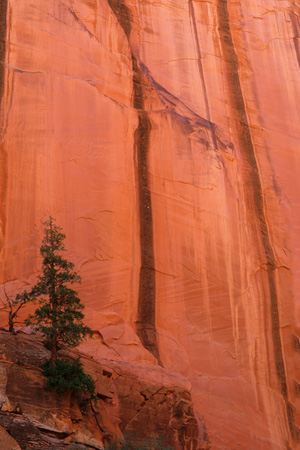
[{"x": 164, "y": 138}]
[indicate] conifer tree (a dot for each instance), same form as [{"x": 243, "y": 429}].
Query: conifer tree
[{"x": 59, "y": 315}]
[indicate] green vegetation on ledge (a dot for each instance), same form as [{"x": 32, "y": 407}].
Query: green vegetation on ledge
[{"x": 66, "y": 375}]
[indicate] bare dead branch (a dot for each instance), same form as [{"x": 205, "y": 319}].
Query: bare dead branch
[{"x": 12, "y": 306}]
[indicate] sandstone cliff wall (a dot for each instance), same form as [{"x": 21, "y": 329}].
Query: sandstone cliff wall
[{"x": 164, "y": 137}]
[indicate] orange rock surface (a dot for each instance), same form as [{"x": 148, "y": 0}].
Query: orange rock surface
[{"x": 164, "y": 137}]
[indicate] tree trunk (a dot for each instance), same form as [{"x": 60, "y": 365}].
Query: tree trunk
[
  {"x": 54, "y": 347},
  {"x": 11, "y": 324}
]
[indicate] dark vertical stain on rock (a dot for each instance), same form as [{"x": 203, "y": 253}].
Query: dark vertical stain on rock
[
  {"x": 201, "y": 73},
  {"x": 254, "y": 189},
  {"x": 123, "y": 15},
  {"x": 146, "y": 302},
  {"x": 3, "y": 12},
  {"x": 296, "y": 38},
  {"x": 3, "y": 15}
]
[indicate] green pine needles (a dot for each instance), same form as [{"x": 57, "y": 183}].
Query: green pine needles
[
  {"x": 59, "y": 316},
  {"x": 66, "y": 375}
]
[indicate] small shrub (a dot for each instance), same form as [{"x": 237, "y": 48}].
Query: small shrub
[{"x": 66, "y": 375}]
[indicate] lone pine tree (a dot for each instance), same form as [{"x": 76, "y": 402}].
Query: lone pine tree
[{"x": 59, "y": 315}]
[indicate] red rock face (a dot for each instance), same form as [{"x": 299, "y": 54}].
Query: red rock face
[
  {"x": 132, "y": 404},
  {"x": 164, "y": 138}
]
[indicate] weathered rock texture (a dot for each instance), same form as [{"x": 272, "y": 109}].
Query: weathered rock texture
[
  {"x": 164, "y": 137},
  {"x": 130, "y": 402}
]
